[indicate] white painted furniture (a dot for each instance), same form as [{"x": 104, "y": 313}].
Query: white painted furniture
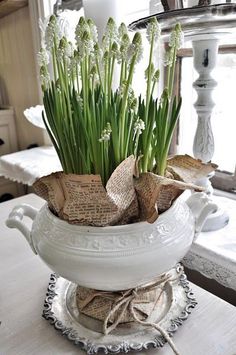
[
  {"x": 7, "y": 131},
  {"x": 213, "y": 254},
  {"x": 24, "y": 278},
  {"x": 28, "y": 165},
  {"x": 8, "y": 144}
]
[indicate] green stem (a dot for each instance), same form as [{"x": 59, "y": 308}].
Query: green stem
[
  {"x": 149, "y": 77},
  {"x": 124, "y": 105},
  {"x": 99, "y": 74},
  {"x": 77, "y": 78},
  {"x": 122, "y": 72},
  {"x": 111, "y": 74},
  {"x": 172, "y": 75},
  {"x": 129, "y": 135},
  {"x": 162, "y": 163},
  {"x": 54, "y": 59},
  {"x": 125, "y": 71},
  {"x": 136, "y": 145},
  {"x": 153, "y": 87}
]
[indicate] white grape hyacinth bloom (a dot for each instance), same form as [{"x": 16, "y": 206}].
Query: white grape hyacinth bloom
[{"x": 67, "y": 21}]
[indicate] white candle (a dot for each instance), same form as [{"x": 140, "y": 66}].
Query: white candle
[
  {"x": 155, "y": 7},
  {"x": 192, "y": 3},
  {"x": 100, "y": 10}
]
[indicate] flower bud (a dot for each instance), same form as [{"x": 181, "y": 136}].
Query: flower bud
[
  {"x": 124, "y": 46},
  {"x": 150, "y": 69},
  {"x": 139, "y": 126},
  {"x": 43, "y": 57},
  {"x": 44, "y": 78},
  {"x": 137, "y": 39},
  {"x": 156, "y": 75},
  {"x": 82, "y": 21},
  {"x": 176, "y": 37},
  {"x": 153, "y": 30},
  {"x": 125, "y": 41},
  {"x": 93, "y": 70},
  {"x": 93, "y": 30},
  {"x": 169, "y": 57},
  {"x": 63, "y": 43},
  {"x": 111, "y": 23},
  {"x": 52, "y": 33},
  {"x": 106, "y": 56},
  {"x": 53, "y": 19},
  {"x": 106, "y": 133},
  {"x": 135, "y": 49},
  {"x": 165, "y": 94},
  {"x": 111, "y": 34},
  {"x": 122, "y": 30},
  {"x": 81, "y": 27},
  {"x": 114, "y": 48}
]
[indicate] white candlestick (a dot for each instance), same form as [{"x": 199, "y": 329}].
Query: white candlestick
[{"x": 205, "y": 53}]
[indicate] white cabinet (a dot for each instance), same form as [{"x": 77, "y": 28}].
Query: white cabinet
[
  {"x": 8, "y": 144},
  {"x": 8, "y": 138}
]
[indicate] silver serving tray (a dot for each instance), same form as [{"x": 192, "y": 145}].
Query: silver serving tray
[
  {"x": 194, "y": 20},
  {"x": 61, "y": 311}
]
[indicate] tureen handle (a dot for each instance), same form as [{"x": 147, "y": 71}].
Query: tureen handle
[
  {"x": 15, "y": 221},
  {"x": 201, "y": 206}
]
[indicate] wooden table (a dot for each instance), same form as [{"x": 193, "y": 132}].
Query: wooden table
[{"x": 210, "y": 329}]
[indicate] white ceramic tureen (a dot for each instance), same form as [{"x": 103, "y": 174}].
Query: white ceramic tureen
[{"x": 116, "y": 257}]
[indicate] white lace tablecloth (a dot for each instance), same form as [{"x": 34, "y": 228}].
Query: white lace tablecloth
[
  {"x": 213, "y": 254},
  {"x": 28, "y": 165}
]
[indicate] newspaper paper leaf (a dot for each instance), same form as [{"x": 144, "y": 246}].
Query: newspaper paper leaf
[
  {"x": 98, "y": 304},
  {"x": 86, "y": 200},
  {"x": 49, "y": 188},
  {"x": 120, "y": 188},
  {"x": 131, "y": 214},
  {"x": 82, "y": 199},
  {"x": 187, "y": 169},
  {"x": 147, "y": 192},
  {"x": 157, "y": 193}
]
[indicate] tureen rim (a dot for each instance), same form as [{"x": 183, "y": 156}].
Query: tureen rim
[{"x": 142, "y": 224}]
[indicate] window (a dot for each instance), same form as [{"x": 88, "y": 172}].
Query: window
[{"x": 223, "y": 117}]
